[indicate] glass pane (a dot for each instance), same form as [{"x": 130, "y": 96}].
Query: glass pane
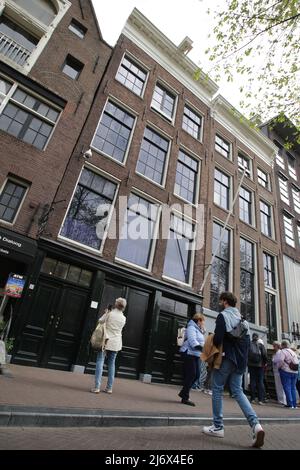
[
  {"x": 48, "y": 266},
  {"x": 61, "y": 270}
]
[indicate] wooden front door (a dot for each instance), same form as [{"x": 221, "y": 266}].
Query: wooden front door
[{"x": 51, "y": 334}]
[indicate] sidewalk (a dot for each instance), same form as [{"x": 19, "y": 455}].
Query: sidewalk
[{"x": 45, "y": 397}]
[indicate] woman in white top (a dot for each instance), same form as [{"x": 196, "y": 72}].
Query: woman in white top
[
  {"x": 278, "y": 385},
  {"x": 115, "y": 321},
  {"x": 288, "y": 374}
]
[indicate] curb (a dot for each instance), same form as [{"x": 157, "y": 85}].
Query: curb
[{"x": 13, "y": 417}]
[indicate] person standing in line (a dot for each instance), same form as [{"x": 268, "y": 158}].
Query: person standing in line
[
  {"x": 257, "y": 360},
  {"x": 190, "y": 351},
  {"x": 278, "y": 385},
  {"x": 233, "y": 366},
  {"x": 286, "y": 358},
  {"x": 115, "y": 321}
]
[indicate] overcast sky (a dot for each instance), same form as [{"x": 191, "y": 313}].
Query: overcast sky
[{"x": 176, "y": 19}]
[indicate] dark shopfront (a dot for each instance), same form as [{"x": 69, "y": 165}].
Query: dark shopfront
[{"x": 71, "y": 289}]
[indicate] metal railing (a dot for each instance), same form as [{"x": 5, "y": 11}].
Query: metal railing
[{"x": 12, "y": 50}]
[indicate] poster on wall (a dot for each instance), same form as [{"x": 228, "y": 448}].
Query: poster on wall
[{"x": 15, "y": 285}]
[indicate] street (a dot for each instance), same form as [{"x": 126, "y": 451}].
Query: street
[{"x": 278, "y": 437}]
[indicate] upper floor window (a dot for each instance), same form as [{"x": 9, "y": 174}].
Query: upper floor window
[
  {"x": 289, "y": 230},
  {"x": 279, "y": 155},
  {"x": 245, "y": 206},
  {"x": 269, "y": 270},
  {"x": 263, "y": 178},
  {"x": 265, "y": 219},
  {"x": 15, "y": 42},
  {"x": 192, "y": 123},
  {"x": 283, "y": 189},
  {"x": 77, "y": 28},
  {"x": 72, "y": 67},
  {"x": 43, "y": 10},
  {"x": 163, "y": 101},
  {"x": 186, "y": 177},
  {"x": 222, "y": 146},
  {"x": 132, "y": 75},
  {"x": 10, "y": 200},
  {"x": 247, "y": 280},
  {"x": 114, "y": 131},
  {"x": 291, "y": 166},
  {"x": 298, "y": 230},
  {"x": 153, "y": 156},
  {"x": 26, "y": 117},
  {"x": 221, "y": 189},
  {"x": 244, "y": 164},
  {"x": 89, "y": 209},
  {"x": 296, "y": 198}
]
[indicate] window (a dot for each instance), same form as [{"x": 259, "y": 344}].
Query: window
[
  {"x": 68, "y": 272},
  {"x": 163, "y": 101},
  {"x": 279, "y": 155},
  {"x": 247, "y": 280},
  {"x": 10, "y": 200},
  {"x": 72, "y": 67},
  {"x": 178, "y": 259},
  {"x": 114, "y": 131},
  {"x": 92, "y": 200},
  {"x": 137, "y": 234},
  {"x": 269, "y": 270},
  {"x": 192, "y": 123},
  {"x": 153, "y": 154},
  {"x": 288, "y": 230},
  {"x": 245, "y": 206},
  {"x": 283, "y": 189},
  {"x": 15, "y": 42},
  {"x": 77, "y": 29},
  {"x": 270, "y": 303},
  {"x": 186, "y": 177},
  {"x": 296, "y": 198},
  {"x": 298, "y": 231},
  {"x": 132, "y": 75},
  {"x": 263, "y": 178},
  {"x": 5, "y": 86},
  {"x": 244, "y": 164},
  {"x": 221, "y": 189},
  {"x": 220, "y": 266},
  {"x": 43, "y": 10},
  {"x": 222, "y": 146},
  {"x": 265, "y": 218},
  {"x": 28, "y": 118},
  {"x": 291, "y": 166}
]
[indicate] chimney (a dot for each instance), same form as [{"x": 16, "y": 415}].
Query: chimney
[{"x": 186, "y": 45}]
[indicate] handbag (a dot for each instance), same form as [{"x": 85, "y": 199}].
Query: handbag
[{"x": 99, "y": 336}]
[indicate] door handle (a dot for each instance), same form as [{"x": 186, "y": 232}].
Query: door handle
[
  {"x": 57, "y": 323},
  {"x": 51, "y": 319}
]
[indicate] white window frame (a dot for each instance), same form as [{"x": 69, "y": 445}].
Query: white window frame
[
  {"x": 275, "y": 292},
  {"x": 219, "y": 134},
  {"x": 161, "y": 83},
  {"x": 296, "y": 198},
  {"x": 200, "y": 114},
  {"x": 253, "y": 220},
  {"x": 22, "y": 18},
  {"x": 248, "y": 172},
  {"x": 268, "y": 186},
  {"x": 255, "y": 273},
  {"x": 292, "y": 170},
  {"x": 198, "y": 176},
  {"x": 219, "y": 168},
  {"x": 144, "y": 68},
  {"x": 283, "y": 189},
  {"x": 15, "y": 180},
  {"x": 288, "y": 226},
  {"x": 272, "y": 235},
  {"x": 111, "y": 178},
  {"x": 130, "y": 111}
]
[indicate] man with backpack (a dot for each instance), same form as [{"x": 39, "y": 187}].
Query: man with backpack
[
  {"x": 233, "y": 333},
  {"x": 257, "y": 360}
]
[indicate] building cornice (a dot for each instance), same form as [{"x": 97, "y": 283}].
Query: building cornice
[
  {"x": 152, "y": 41},
  {"x": 232, "y": 120}
]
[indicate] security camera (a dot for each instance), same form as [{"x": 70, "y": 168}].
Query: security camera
[{"x": 87, "y": 154}]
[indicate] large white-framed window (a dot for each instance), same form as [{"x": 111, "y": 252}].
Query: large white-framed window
[
  {"x": 187, "y": 177},
  {"x": 284, "y": 189},
  {"x": 279, "y": 155},
  {"x": 292, "y": 166},
  {"x": 220, "y": 269},
  {"x": 246, "y": 206},
  {"x": 289, "y": 229},
  {"x": 221, "y": 189},
  {"x": 132, "y": 75},
  {"x": 12, "y": 196},
  {"x": 164, "y": 101},
  {"x": 245, "y": 164},
  {"x": 114, "y": 131},
  {"x": 271, "y": 295},
  {"x": 87, "y": 218},
  {"x": 298, "y": 232},
  {"x": 153, "y": 157},
  {"x": 247, "y": 279},
  {"x": 265, "y": 218},
  {"x": 25, "y": 115},
  {"x": 263, "y": 178},
  {"x": 25, "y": 28},
  {"x": 192, "y": 122},
  {"x": 222, "y": 146},
  {"x": 179, "y": 257},
  {"x": 296, "y": 199},
  {"x": 139, "y": 232}
]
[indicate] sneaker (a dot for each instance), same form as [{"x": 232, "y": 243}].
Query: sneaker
[
  {"x": 207, "y": 392},
  {"x": 95, "y": 390},
  {"x": 213, "y": 431},
  {"x": 107, "y": 390},
  {"x": 260, "y": 403},
  {"x": 187, "y": 402},
  {"x": 258, "y": 436}
]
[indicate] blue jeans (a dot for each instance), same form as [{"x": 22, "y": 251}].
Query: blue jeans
[
  {"x": 219, "y": 378},
  {"x": 111, "y": 358},
  {"x": 288, "y": 380}
]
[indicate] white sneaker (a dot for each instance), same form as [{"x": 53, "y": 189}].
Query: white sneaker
[
  {"x": 258, "y": 436},
  {"x": 213, "y": 431}
]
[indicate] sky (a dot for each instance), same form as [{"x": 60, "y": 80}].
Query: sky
[{"x": 174, "y": 18}]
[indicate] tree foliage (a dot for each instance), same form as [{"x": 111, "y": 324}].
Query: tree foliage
[{"x": 260, "y": 40}]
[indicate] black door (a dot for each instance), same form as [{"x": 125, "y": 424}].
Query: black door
[
  {"x": 167, "y": 362},
  {"x": 50, "y": 336}
]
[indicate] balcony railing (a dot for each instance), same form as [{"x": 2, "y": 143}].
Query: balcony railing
[{"x": 12, "y": 50}]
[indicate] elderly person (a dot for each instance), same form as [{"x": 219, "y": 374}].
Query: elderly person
[
  {"x": 115, "y": 321},
  {"x": 190, "y": 350},
  {"x": 278, "y": 385},
  {"x": 288, "y": 376}
]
